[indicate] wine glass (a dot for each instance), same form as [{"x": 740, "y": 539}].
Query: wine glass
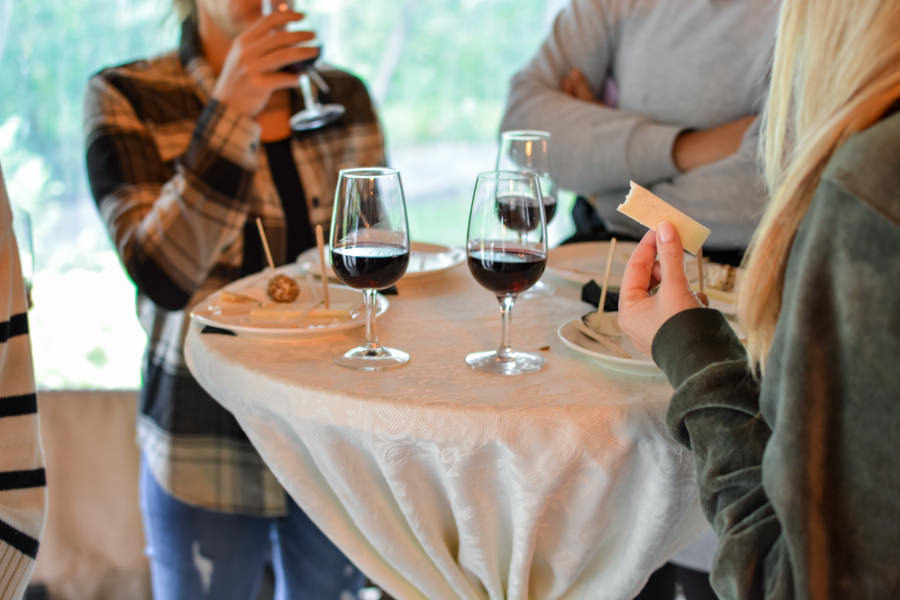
[
  {"x": 529, "y": 150},
  {"x": 314, "y": 114},
  {"x": 370, "y": 250},
  {"x": 506, "y": 247}
]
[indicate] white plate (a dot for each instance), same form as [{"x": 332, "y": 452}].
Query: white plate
[
  {"x": 236, "y": 317},
  {"x": 636, "y": 362},
  {"x": 583, "y": 261},
  {"x": 424, "y": 259}
]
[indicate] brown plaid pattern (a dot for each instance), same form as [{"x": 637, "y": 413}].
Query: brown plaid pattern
[{"x": 177, "y": 177}]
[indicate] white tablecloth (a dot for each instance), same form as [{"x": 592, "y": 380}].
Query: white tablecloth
[{"x": 444, "y": 482}]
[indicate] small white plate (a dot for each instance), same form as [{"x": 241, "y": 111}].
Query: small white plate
[
  {"x": 236, "y": 316},
  {"x": 424, "y": 259},
  {"x": 583, "y": 261},
  {"x": 619, "y": 355}
]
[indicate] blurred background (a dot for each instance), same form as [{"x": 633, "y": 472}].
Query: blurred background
[{"x": 437, "y": 70}]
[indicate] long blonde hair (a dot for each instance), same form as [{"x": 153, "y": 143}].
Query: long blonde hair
[{"x": 836, "y": 71}]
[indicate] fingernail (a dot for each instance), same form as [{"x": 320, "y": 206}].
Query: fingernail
[{"x": 665, "y": 231}]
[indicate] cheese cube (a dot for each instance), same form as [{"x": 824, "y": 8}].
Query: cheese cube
[{"x": 648, "y": 209}]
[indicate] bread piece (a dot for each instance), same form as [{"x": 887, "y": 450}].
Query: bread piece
[
  {"x": 648, "y": 209},
  {"x": 336, "y": 311},
  {"x": 278, "y": 312},
  {"x": 235, "y": 298}
]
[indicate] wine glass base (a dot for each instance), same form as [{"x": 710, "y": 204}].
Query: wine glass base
[
  {"x": 513, "y": 363},
  {"x": 317, "y": 116},
  {"x": 369, "y": 359}
]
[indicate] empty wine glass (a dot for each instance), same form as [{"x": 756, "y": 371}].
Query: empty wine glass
[
  {"x": 529, "y": 150},
  {"x": 370, "y": 251},
  {"x": 506, "y": 246},
  {"x": 314, "y": 114}
]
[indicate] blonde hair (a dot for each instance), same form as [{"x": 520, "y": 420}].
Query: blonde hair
[
  {"x": 836, "y": 71},
  {"x": 185, "y": 8}
]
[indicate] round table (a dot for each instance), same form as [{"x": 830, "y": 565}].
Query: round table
[{"x": 441, "y": 482}]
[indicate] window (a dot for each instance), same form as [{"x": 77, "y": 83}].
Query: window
[{"x": 438, "y": 71}]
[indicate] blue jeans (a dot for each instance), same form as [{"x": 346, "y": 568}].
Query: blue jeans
[{"x": 198, "y": 553}]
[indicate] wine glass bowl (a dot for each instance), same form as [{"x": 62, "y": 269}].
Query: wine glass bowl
[
  {"x": 370, "y": 251},
  {"x": 506, "y": 249},
  {"x": 314, "y": 114}
]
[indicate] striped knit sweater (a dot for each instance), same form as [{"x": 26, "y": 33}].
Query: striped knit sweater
[{"x": 23, "y": 492}]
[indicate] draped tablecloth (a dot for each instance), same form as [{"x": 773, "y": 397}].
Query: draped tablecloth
[{"x": 441, "y": 482}]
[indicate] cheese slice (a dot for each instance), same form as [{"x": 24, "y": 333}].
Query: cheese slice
[
  {"x": 648, "y": 209},
  {"x": 278, "y": 312},
  {"x": 341, "y": 311}
]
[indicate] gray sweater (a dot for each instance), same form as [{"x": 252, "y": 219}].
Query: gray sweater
[
  {"x": 677, "y": 65},
  {"x": 800, "y": 472}
]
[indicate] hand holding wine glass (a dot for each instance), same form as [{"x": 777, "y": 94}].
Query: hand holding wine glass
[
  {"x": 507, "y": 252},
  {"x": 370, "y": 251},
  {"x": 251, "y": 71},
  {"x": 314, "y": 114}
]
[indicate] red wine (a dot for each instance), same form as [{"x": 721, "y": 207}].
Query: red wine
[
  {"x": 519, "y": 213},
  {"x": 549, "y": 208},
  {"x": 506, "y": 272},
  {"x": 375, "y": 266},
  {"x": 302, "y": 65}
]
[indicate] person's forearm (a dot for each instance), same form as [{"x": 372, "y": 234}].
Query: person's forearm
[
  {"x": 715, "y": 413},
  {"x": 599, "y": 147},
  {"x": 596, "y": 147},
  {"x": 694, "y": 149},
  {"x": 170, "y": 232}
]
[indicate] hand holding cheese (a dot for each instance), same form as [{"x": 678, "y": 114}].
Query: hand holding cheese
[
  {"x": 658, "y": 259},
  {"x": 648, "y": 209}
]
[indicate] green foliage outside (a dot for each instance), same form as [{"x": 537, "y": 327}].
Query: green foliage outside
[{"x": 438, "y": 71}]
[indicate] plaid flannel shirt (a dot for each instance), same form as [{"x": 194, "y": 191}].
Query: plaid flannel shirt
[{"x": 178, "y": 178}]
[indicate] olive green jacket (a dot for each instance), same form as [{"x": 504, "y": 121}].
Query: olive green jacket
[{"x": 799, "y": 472}]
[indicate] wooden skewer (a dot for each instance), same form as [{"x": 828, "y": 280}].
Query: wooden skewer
[
  {"x": 700, "y": 268},
  {"x": 609, "y": 260},
  {"x": 321, "y": 244},
  {"x": 265, "y": 243}
]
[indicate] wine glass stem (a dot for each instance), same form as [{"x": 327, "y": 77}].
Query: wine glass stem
[
  {"x": 309, "y": 100},
  {"x": 371, "y": 339},
  {"x": 506, "y": 305}
]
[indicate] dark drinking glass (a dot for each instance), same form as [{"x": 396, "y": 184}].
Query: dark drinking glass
[
  {"x": 529, "y": 150},
  {"x": 314, "y": 113},
  {"x": 506, "y": 248},
  {"x": 370, "y": 251}
]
